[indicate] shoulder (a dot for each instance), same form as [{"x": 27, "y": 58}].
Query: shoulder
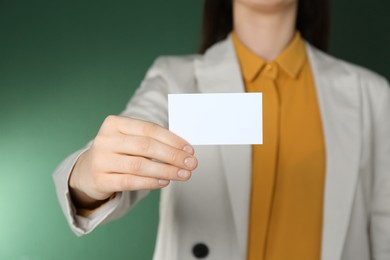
[
  {"x": 186, "y": 64},
  {"x": 168, "y": 65},
  {"x": 177, "y": 73},
  {"x": 330, "y": 66}
]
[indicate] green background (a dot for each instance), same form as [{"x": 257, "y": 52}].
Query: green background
[{"x": 66, "y": 65}]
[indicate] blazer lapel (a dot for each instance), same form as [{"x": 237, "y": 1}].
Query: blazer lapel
[
  {"x": 339, "y": 103},
  {"x": 218, "y": 71}
]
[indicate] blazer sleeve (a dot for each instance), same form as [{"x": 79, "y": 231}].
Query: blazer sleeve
[
  {"x": 380, "y": 204},
  {"x": 149, "y": 103}
]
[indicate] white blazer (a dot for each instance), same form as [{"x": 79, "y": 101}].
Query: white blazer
[{"x": 211, "y": 210}]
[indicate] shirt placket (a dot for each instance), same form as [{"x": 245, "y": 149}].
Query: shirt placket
[{"x": 264, "y": 172}]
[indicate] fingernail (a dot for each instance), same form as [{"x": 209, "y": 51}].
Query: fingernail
[
  {"x": 163, "y": 182},
  {"x": 183, "y": 174},
  {"x": 189, "y": 162},
  {"x": 188, "y": 149}
]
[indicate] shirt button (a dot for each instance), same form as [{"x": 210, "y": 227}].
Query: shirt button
[
  {"x": 200, "y": 250},
  {"x": 268, "y": 67}
]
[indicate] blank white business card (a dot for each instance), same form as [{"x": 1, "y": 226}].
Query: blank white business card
[{"x": 217, "y": 118}]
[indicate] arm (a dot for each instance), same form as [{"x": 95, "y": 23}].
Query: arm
[{"x": 115, "y": 162}]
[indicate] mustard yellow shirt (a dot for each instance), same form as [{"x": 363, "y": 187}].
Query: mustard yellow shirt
[{"x": 288, "y": 169}]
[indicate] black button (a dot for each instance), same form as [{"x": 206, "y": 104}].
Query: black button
[{"x": 200, "y": 250}]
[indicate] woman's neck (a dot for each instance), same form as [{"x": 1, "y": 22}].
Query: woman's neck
[{"x": 265, "y": 31}]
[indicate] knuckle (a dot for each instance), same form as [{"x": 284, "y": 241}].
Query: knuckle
[
  {"x": 151, "y": 185},
  {"x": 143, "y": 145},
  {"x": 125, "y": 139},
  {"x": 174, "y": 155},
  {"x": 135, "y": 165},
  {"x": 170, "y": 173},
  {"x": 124, "y": 183},
  {"x": 149, "y": 129},
  {"x": 109, "y": 125},
  {"x": 109, "y": 120}
]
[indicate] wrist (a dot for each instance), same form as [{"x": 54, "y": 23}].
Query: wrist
[{"x": 79, "y": 198}]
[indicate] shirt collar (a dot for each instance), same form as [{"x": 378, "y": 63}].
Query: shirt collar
[{"x": 291, "y": 60}]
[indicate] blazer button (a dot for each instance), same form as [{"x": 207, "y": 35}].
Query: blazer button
[{"x": 200, "y": 250}]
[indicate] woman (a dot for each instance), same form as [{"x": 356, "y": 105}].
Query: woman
[{"x": 318, "y": 187}]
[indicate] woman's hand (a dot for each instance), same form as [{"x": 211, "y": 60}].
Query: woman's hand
[{"x": 129, "y": 154}]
